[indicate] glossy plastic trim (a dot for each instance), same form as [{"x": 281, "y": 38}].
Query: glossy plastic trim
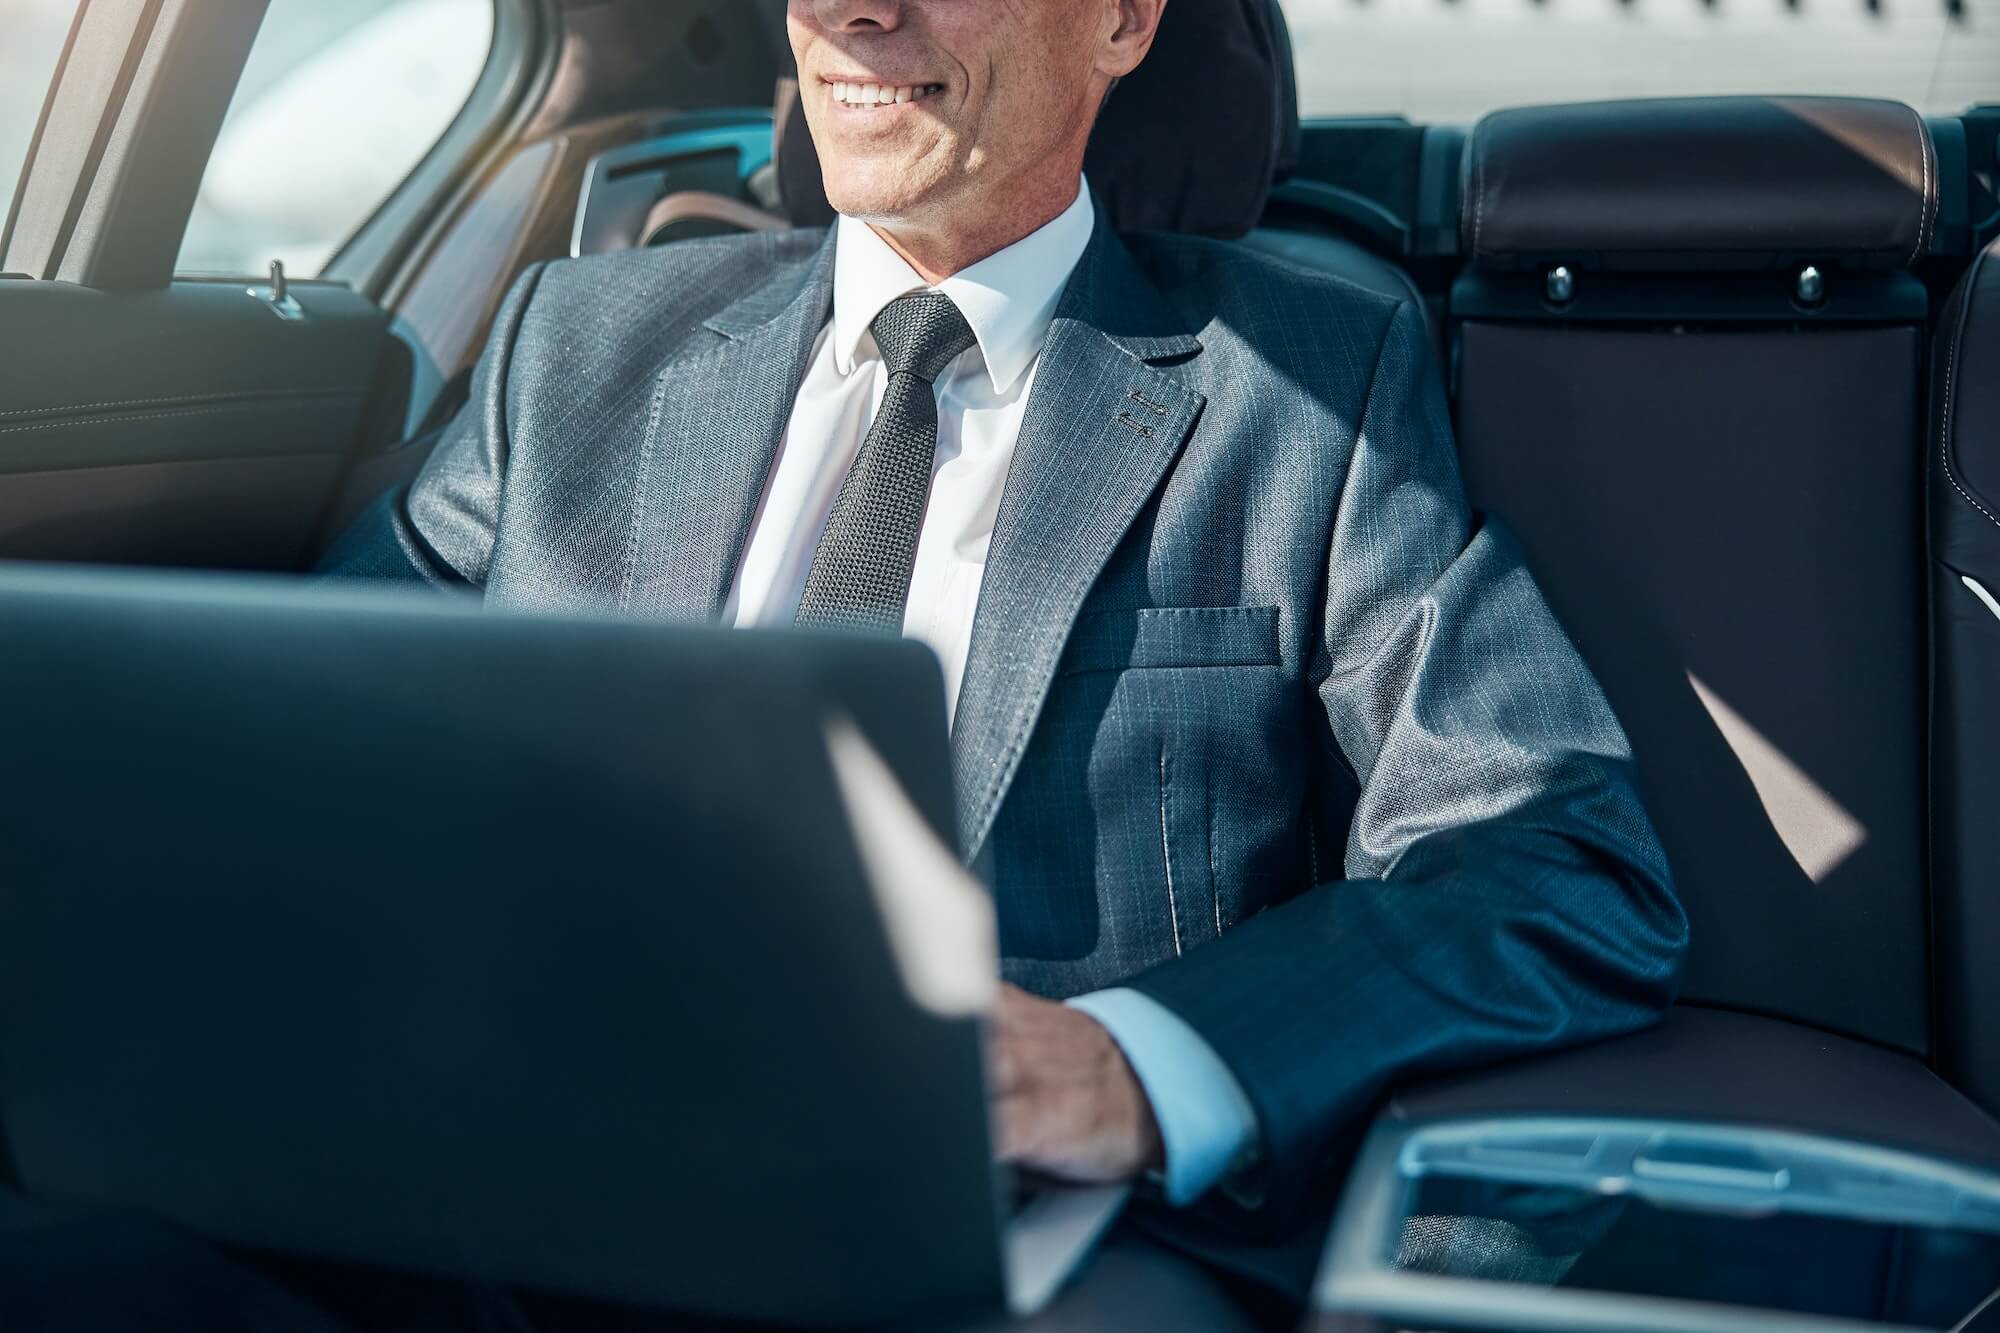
[
  {"x": 1705, "y": 1167},
  {"x": 746, "y": 132}
]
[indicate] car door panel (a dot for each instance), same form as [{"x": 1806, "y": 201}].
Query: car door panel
[
  {"x": 185, "y": 424},
  {"x": 221, "y": 514}
]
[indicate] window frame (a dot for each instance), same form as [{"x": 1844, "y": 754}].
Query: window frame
[
  {"x": 18, "y": 187},
  {"x": 393, "y": 242},
  {"x": 130, "y": 121},
  {"x": 509, "y": 71},
  {"x": 126, "y": 129}
]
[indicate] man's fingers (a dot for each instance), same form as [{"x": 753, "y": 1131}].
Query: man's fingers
[
  {"x": 1030, "y": 1135},
  {"x": 1014, "y": 1009},
  {"x": 1012, "y": 1141},
  {"x": 1056, "y": 1103},
  {"x": 1003, "y": 1063}
]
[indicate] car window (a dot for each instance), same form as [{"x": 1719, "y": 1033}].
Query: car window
[
  {"x": 1451, "y": 61},
  {"x": 339, "y": 102},
  {"x": 33, "y": 43}
]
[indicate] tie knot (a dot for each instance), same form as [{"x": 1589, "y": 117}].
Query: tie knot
[{"x": 921, "y": 334}]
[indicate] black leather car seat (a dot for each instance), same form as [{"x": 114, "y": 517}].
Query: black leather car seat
[
  {"x": 1964, "y": 469},
  {"x": 1319, "y": 248},
  {"x": 1690, "y": 369}
]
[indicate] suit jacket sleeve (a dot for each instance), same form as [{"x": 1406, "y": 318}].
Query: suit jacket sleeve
[
  {"x": 440, "y": 528},
  {"x": 1504, "y": 890}
]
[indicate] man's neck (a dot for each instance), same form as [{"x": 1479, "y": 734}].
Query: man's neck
[{"x": 938, "y": 252}]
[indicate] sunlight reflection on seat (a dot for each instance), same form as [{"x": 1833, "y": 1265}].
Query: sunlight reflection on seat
[
  {"x": 1818, "y": 832},
  {"x": 1979, "y": 591}
]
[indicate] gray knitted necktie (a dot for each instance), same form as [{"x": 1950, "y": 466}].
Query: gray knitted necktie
[{"x": 860, "y": 575}]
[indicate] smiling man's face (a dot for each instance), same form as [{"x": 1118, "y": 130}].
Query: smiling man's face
[{"x": 924, "y": 109}]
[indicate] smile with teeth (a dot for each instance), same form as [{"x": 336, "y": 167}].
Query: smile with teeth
[{"x": 882, "y": 94}]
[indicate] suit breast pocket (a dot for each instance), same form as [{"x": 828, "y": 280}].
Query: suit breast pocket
[
  {"x": 1165, "y": 637},
  {"x": 1176, "y": 717}
]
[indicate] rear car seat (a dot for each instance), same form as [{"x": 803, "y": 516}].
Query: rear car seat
[
  {"x": 1690, "y": 376},
  {"x": 1964, "y": 474},
  {"x": 1690, "y": 369},
  {"x": 1316, "y": 249}
]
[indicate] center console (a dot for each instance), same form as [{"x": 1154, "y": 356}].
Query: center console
[{"x": 1720, "y": 1172}]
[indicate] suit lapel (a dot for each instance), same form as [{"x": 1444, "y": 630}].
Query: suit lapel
[
  {"x": 718, "y": 416},
  {"x": 1103, "y": 424}
]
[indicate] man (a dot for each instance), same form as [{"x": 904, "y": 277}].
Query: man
[
  {"x": 1186, "y": 531},
  {"x": 1187, "y": 534}
]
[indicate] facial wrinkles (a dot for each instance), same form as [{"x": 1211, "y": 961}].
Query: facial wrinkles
[
  {"x": 1037, "y": 84},
  {"x": 992, "y": 153},
  {"x": 911, "y": 50}
]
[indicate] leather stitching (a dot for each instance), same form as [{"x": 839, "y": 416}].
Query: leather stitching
[
  {"x": 220, "y": 400},
  {"x": 1925, "y": 203},
  {"x": 119, "y": 421},
  {"x": 1950, "y": 370},
  {"x": 1478, "y": 195}
]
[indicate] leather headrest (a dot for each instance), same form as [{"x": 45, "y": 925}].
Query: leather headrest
[
  {"x": 1191, "y": 141},
  {"x": 1725, "y": 182},
  {"x": 1290, "y": 131}
]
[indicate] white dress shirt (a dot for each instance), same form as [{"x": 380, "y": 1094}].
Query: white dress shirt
[{"x": 1010, "y": 301}]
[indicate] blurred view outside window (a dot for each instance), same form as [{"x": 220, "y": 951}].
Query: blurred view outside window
[
  {"x": 339, "y": 102},
  {"x": 1451, "y": 61},
  {"x": 31, "y": 42}
]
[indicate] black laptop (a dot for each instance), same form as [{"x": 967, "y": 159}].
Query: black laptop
[{"x": 564, "y": 952}]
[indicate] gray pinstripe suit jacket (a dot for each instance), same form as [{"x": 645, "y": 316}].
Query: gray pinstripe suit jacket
[{"x": 1258, "y": 717}]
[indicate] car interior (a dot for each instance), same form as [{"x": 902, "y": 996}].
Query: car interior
[{"x": 1728, "y": 366}]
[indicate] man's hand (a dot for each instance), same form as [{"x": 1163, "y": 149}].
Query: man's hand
[{"x": 1065, "y": 1102}]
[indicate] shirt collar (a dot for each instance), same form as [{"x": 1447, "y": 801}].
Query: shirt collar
[{"x": 1008, "y": 298}]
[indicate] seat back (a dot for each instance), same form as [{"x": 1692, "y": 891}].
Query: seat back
[
  {"x": 1964, "y": 467},
  {"x": 1689, "y": 367}
]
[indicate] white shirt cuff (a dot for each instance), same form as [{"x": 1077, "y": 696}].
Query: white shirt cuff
[{"x": 1206, "y": 1124}]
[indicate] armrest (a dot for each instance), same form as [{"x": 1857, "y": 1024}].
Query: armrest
[
  {"x": 1719, "y": 1170},
  {"x": 1711, "y": 1066}
]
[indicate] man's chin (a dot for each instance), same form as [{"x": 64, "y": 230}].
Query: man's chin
[{"x": 875, "y": 200}]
